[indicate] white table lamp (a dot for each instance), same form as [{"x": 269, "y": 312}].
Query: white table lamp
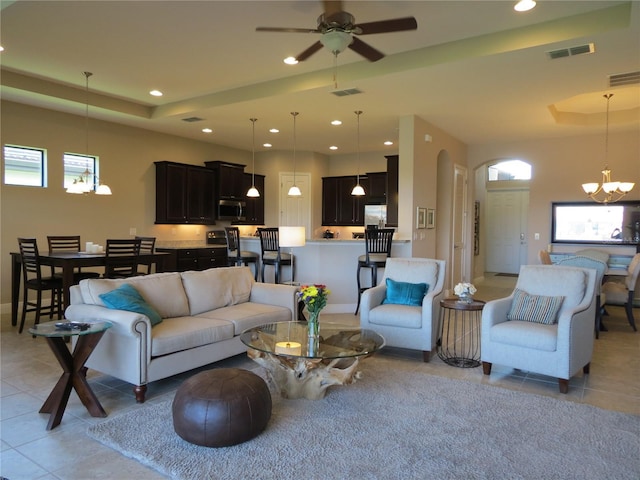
[{"x": 291, "y": 237}]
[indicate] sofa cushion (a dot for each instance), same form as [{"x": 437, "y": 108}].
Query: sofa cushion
[
  {"x": 163, "y": 291},
  {"x": 406, "y": 316},
  {"x": 404, "y": 293},
  {"x": 534, "y": 308},
  {"x": 182, "y": 333},
  {"x": 247, "y": 315},
  {"x": 217, "y": 288},
  {"x": 126, "y": 297}
]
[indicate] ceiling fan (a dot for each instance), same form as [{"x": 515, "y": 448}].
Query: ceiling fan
[{"x": 338, "y": 28}]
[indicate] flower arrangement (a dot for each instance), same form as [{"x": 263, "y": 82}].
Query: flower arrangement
[
  {"x": 464, "y": 288},
  {"x": 314, "y": 297}
]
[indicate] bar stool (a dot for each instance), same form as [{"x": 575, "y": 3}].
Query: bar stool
[
  {"x": 378, "y": 248},
  {"x": 271, "y": 255},
  {"x": 236, "y": 255}
]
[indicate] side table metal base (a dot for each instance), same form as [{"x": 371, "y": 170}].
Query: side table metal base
[{"x": 458, "y": 343}]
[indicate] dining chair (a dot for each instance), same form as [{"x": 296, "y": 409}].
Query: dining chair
[
  {"x": 622, "y": 293},
  {"x": 271, "y": 254},
  {"x": 33, "y": 280},
  {"x": 236, "y": 255},
  {"x": 147, "y": 245},
  {"x": 121, "y": 258},
  {"x": 377, "y": 249},
  {"x": 544, "y": 257},
  {"x": 71, "y": 244}
]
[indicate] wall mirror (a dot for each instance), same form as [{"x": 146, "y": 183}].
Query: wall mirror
[{"x": 595, "y": 223}]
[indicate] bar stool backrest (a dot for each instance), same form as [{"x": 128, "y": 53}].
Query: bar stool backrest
[
  {"x": 269, "y": 241},
  {"x": 378, "y": 240}
]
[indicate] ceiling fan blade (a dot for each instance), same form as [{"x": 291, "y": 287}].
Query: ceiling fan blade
[
  {"x": 331, "y": 7},
  {"x": 309, "y": 51},
  {"x": 287, "y": 30},
  {"x": 366, "y": 50},
  {"x": 385, "y": 26}
]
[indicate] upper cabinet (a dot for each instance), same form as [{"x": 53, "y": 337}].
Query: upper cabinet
[
  {"x": 339, "y": 207},
  {"x": 230, "y": 180},
  {"x": 255, "y": 205},
  {"x": 184, "y": 194},
  {"x": 377, "y": 192}
]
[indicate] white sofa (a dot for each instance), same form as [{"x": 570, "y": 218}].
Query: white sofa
[{"x": 203, "y": 313}]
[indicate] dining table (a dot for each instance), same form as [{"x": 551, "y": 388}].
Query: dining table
[{"x": 68, "y": 262}]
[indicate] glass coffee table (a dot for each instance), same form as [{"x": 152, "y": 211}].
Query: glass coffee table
[{"x": 304, "y": 367}]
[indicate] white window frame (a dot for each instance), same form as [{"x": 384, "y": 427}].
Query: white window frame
[{"x": 25, "y": 166}]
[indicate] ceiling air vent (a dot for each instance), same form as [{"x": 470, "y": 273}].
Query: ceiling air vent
[
  {"x": 620, "y": 79},
  {"x": 571, "y": 51},
  {"x": 192, "y": 119},
  {"x": 346, "y": 92}
]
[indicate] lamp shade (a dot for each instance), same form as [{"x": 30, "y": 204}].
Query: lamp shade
[{"x": 291, "y": 236}]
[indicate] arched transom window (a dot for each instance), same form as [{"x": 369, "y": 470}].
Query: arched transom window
[{"x": 509, "y": 170}]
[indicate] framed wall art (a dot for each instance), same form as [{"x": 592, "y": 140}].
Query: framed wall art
[
  {"x": 431, "y": 218},
  {"x": 421, "y": 217}
]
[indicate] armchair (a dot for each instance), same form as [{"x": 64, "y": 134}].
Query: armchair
[
  {"x": 557, "y": 349},
  {"x": 406, "y": 326}
]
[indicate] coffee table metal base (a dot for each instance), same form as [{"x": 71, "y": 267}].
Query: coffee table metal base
[{"x": 308, "y": 378}]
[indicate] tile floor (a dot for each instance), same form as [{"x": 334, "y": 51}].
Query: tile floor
[{"x": 29, "y": 371}]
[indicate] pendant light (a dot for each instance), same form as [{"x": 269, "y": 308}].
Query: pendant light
[
  {"x": 253, "y": 191},
  {"x": 358, "y": 191},
  {"x": 294, "y": 191},
  {"x": 612, "y": 191},
  {"x": 88, "y": 181}
]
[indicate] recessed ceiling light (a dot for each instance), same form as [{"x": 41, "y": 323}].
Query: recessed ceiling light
[
  {"x": 290, "y": 60},
  {"x": 1, "y": 48},
  {"x": 267, "y": 145},
  {"x": 524, "y": 5},
  {"x": 336, "y": 122},
  {"x": 388, "y": 142},
  {"x": 333, "y": 147},
  {"x": 156, "y": 93},
  {"x": 207, "y": 130},
  {"x": 274, "y": 130}
]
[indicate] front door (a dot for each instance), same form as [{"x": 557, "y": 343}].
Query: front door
[{"x": 506, "y": 230}]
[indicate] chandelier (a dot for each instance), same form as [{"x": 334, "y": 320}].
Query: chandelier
[
  {"x": 607, "y": 191},
  {"x": 88, "y": 181}
]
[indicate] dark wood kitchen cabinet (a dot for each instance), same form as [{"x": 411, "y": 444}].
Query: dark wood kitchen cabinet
[
  {"x": 339, "y": 207},
  {"x": 377, "y": 192},
  {"x": 184, "y": 194},
  {"x": 255, "y": 206},
  {"x": 185, "y": 259},
  {"x": 229, "y": 180}
]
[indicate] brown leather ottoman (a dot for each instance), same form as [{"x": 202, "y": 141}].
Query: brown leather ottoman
[{"x": 221, "y": 407}]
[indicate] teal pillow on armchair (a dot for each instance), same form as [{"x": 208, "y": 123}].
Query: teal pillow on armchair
[{"x": 405, "y": 293}]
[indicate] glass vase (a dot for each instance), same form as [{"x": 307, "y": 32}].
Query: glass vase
[
  {"x": 313, "y": 324},
  {"x": 465, "y": 297}
]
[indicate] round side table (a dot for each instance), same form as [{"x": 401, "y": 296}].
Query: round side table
[{"x": 458, "y": 343}]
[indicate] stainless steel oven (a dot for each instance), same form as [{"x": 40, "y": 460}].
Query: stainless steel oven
[{"x": 234, "y": 210}]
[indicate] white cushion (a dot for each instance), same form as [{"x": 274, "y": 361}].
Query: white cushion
[
  {"x": 568, "y": 282},
  {"x": 163, "y": 291},
  {"x": 217, "y": 288},
  {"x": 248, "y": 315},
  {"x": 536, "y": 336},
  {"x": 406, "y": 316},
  {"x": 183, "y": 333}
]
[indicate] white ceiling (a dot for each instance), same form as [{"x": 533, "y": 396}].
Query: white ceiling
[{"x": 476, "y": 69}]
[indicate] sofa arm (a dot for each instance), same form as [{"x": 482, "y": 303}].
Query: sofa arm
[
  {"x": 277, "y": 295},
  {"x": 124, "y": 322}
]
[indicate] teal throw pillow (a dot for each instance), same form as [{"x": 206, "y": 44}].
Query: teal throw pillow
[
  {"x": 404, "y": 293},
  {"x": 126, "y": 297},
  {"x": 534, "y": 308}
]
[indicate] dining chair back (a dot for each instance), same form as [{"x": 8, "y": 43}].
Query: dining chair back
[
  {"x": 271, "y": 254},
  {"x": 70, "y": 244},
  {"x": 544, "y": 257},
  {"x": 623, "y": 293},
  {"x": 147, "y": 245},
  {"x": 236, "y": 255},
  {"x": 377, "y": 249},
  {"x": 121, "y": 259},
  {"x": 34, "y": 280}
]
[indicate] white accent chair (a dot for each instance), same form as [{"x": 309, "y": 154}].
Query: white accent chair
[
  {"x": 558, "y": 350},
  {"x": 405, "y": 326},
  {"x": 623, "y": 293}
]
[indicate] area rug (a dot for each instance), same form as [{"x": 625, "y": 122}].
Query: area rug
[{"x": 398, "y": 423}]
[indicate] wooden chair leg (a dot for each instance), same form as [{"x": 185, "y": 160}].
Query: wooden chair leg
[
  {"x": 140, "y": 391},
  {"x": 586, "y": 368},
  {"x": 563, "y": 385},
  {"x": 426, "y": 356},
  {"x": 629, "y": 309},
  {"x": 486, "y": 368}
]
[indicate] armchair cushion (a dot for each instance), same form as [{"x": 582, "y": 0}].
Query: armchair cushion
[
  {"x": 534, "y": 308},
  {"x": 126, "y": 297},
  {"x": 405, "y": 293}
]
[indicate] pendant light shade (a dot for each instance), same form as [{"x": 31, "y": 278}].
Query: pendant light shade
[
  {"x": 253, "y": 191},
  {"x": 294, "y": 191},
  {"x": 358, "y": 191},
  {"x": 88, "y": 181}
]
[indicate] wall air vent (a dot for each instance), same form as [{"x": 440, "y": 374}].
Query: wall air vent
[
  {"x": 571, "y": 51},
  {"x": 620, "y": 79},
  {"x": 192, "y": 119},
  {"x": 346, "y": 92}
]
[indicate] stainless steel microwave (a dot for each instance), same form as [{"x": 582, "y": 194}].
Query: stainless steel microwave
[{"x": 234, "y": 210}]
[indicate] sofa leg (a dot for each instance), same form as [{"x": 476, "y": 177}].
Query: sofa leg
[
  {"x": 426, "y": 356},
  {"x": 586, "y": 368},
  {"x": 486, "y": 368},
  {"x": 563, "y": 385},
  {"x": 140, "y": 391}
]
